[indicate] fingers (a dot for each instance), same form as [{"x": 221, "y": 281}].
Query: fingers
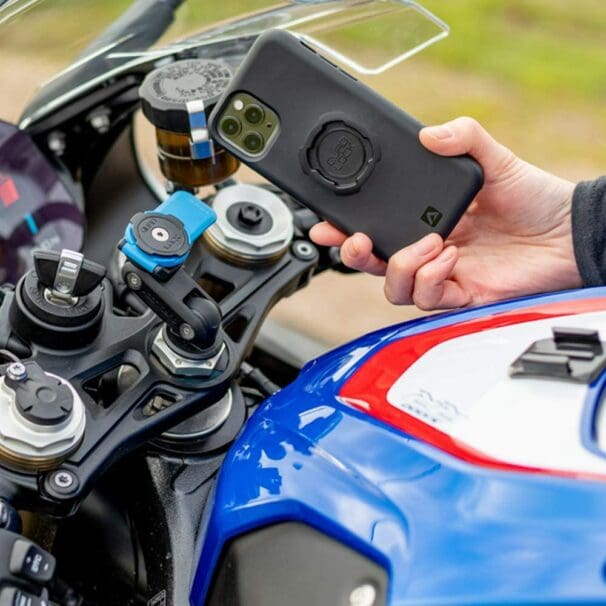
[
  {"x": 325, "y": 234},
  {"x": 356, "y": 252},
  {"x": 467, "y": 136},
  {"x": 417, "y": 274},
  {"x": 404, "y": 265},
  {"x": 432, "y": 288}
]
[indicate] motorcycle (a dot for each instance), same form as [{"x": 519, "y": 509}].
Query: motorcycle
[{"x": 160, "y": 444}]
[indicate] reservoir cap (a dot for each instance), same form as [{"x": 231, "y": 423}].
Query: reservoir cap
[{"x": 167, "y": 91}]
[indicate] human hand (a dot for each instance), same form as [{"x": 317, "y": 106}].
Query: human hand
[{"x": 515, "y": 239}]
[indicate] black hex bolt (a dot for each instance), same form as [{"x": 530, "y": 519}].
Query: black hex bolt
[{"x": 250, "y": 215}]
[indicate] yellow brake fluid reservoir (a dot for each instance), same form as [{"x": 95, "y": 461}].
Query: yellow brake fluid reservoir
[{"x": 178, "y": 99}]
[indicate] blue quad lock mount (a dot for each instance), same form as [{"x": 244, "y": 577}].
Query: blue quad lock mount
[
  {"x": 156, "y": 244},
  {"x": 162, "y": 238}
]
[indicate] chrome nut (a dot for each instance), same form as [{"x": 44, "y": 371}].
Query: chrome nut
[{"x": 179, "y": 365}]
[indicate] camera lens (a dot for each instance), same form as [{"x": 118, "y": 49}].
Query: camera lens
[
  {"x": 230, "y": 126},
  {"x": 254, "y": 113},
  {"x": 253, "y": 142}
]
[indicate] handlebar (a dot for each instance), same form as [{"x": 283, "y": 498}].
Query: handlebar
[{"x": 26, "y": 570}]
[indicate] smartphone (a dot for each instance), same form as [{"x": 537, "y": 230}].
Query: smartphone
[{"x": 338, "y": 147}]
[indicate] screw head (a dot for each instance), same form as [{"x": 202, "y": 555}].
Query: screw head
[
  {"x": 63, "y": 479},
  {"x": 186, "y": 332},
  {"x": 250, "y": 215},
  {"x": 160, "y": 234},
  {"x": 134, "y": 281},
  {"x": 303, "y": 250},
  {"x": 62, "y": 483},
  {"x": 16, "y": 371},
  {"x": 363, "y": 595},
  {"x": 100, "y": 122},
  {"x": 56, "y": 143}
]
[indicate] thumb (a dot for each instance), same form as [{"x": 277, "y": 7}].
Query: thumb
[{"x": 467, "y": 136}]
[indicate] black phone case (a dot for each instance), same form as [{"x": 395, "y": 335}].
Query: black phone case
[{"x": 346, "y": 152}]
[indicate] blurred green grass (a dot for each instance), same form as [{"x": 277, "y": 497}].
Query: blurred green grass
[{"x": 548, "y": 46}]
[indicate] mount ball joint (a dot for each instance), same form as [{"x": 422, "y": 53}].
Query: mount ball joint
[
  {"x": 42, "y": 417},
  {"x": 60, "y": 303}
]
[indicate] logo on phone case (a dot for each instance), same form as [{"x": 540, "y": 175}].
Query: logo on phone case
[
  {"x": 341, "y": 153},
  {"x": 431, "y": 216}
]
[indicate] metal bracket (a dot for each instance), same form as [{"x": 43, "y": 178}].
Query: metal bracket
[
  {"x": 200, "y": 142},
  {"x": 573, "y": 354}
]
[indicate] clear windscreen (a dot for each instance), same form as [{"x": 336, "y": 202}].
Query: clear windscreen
[
  {"x": 369, "y": 36},
  {"x": 76, "y": 44}
]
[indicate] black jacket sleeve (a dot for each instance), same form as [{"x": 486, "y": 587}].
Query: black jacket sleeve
[{"x": 589, "y": 230}]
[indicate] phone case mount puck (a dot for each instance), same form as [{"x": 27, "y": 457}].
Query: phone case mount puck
[{"x": 339, "y": 155}]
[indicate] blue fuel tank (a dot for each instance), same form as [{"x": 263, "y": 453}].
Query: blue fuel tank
[{"x": 461, "y": 454}]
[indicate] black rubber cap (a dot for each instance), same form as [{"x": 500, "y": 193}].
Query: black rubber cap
[
  {"x": 162, "y": 235},
  {"x": 67, "y": 316},
  {"x": 339, "y": 156},
  {"x": 166, "y": 91},
  {"x": 42, "y": 399}
]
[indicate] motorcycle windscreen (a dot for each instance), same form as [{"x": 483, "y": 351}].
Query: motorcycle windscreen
[
  {"x": 371, "y": 37},
  {"x": 368, "y": 36}
]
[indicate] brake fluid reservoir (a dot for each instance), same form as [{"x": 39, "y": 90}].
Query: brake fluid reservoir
[
  {"x": 178, "y": 99},
  {"x": 42, "y": 418}
]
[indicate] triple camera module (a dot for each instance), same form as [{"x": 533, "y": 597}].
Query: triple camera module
[{"x": 248, "y": 124}]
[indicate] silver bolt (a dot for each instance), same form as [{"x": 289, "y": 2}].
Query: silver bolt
[
  {"x": 16, "y": 372},
  {"x": 364, "y": 595},
  {"x": 56, "y": 143},
  {"x": 134, "y": 281},
  {"x": 160, "y": 234},
  {"x": 303, "y": 250},
  {"x": 100, "y": 122},
  {"x": 63, "y": 479},
  {"x": 186, "y": 332}
]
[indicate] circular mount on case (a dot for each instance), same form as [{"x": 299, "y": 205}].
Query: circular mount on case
[{"x": 339, "y": 155}]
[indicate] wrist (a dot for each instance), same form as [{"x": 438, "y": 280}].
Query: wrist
[
  {"x": 588, "y": 230},
  {"x": 568, "y": 269}
]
